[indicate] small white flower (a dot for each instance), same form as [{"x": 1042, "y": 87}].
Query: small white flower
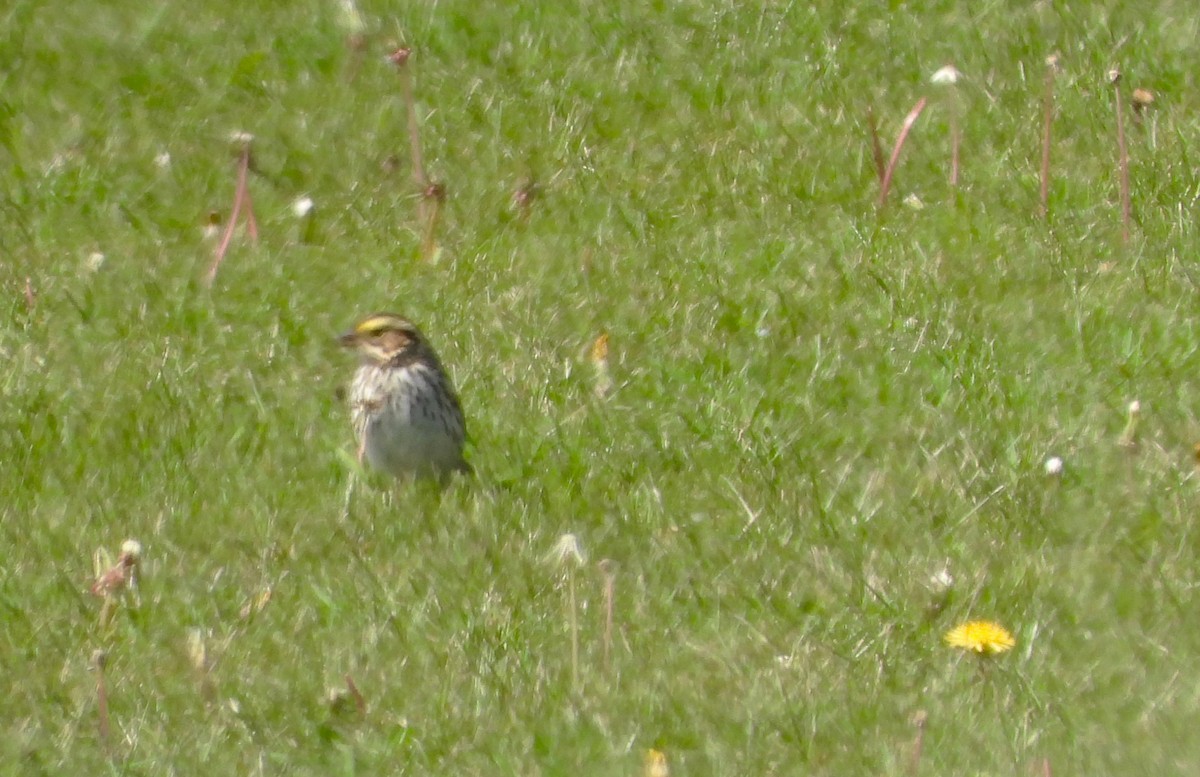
[
  {"x": 1135, "y": 407},
  {"x": 302, "y": 207},
  {"x": 239, "y": 138},
  {"x": 163, "y": 160},
  {"x": 566, "y": 551},
  {"x": 94, "y": 261},
  {"x": 1054, "y": 466},
  {"x": 945, "y": 75},
  {"x": 941, "y": 581},
  {"x": 914, "y": 202}
]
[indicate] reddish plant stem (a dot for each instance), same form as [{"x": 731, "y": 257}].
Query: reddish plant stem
[
  {"x": 919, "y": 721},
  {"x": 241, "y": 197},
  {"x": 429, "y": 204},
  {"x": 355, "y": 694},
  {"x": 431, "y": 200},
  {"x": 420, "y": 178},
  {"x": 610, "y": 581},
  {"x": 909, "y": 121},
  {"x": 243, "y": 179}
]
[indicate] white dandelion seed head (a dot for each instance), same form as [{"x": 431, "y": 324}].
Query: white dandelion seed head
[
  {"x": 131, "y": 549},
  {"x": 302, "y": 207},
  {"x": 163, "y": 160},
  {"x": 947, "y": 74},
  {"x": 567, "y": 551},
  {"x": 1135, "y": 407},
  {"x": 1054, "y": 466}
]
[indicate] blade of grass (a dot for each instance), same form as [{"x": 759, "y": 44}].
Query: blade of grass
[
  {"x": 1047, "y": 122},
  {"x": 876, "y": 146},
  {"x": 1114, "y": 78}
]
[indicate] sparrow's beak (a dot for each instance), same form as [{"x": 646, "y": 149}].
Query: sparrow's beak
[{"x": 348, "y": 339}]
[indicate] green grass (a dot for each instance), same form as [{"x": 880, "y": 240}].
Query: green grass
[{"x": 817, "y": 406}]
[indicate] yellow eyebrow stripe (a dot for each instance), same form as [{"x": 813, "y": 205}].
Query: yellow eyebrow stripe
[{"x": 372, "y": 324}]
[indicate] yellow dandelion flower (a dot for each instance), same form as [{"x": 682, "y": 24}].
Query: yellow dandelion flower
[{"x": 983, "y": 637}]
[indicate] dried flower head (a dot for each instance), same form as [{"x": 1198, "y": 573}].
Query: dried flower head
[
  {"x": 1054, "y": 466},
  {"x": 435, "y": 191},
  {"x": 1114, "y": 77},
  {"x": 656, "y": 764},
  {"x": 112, "y": 578},
  {"x": 984, "y": 638},
  {"x": 1142, "y": 99},
  {"x": 600, "y": 349},
  {"x": 599, "y": 359},
  {"x": 212, "y": 225},
  {"x": 400, "y": 56},
  {"x": 524, "y": 195}
]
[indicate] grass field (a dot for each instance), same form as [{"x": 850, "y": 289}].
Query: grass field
[{"x": 823, "y": 448}]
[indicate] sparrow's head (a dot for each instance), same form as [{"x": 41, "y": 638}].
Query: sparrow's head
[{"x": 382, "y": 337}]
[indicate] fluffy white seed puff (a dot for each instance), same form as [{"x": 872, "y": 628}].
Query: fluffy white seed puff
[
  {"x": 945, "y": 75},
  {"x": 302, "y": 207}
]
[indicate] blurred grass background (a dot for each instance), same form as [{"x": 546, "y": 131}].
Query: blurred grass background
[{"x": 824, "y": 447}]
